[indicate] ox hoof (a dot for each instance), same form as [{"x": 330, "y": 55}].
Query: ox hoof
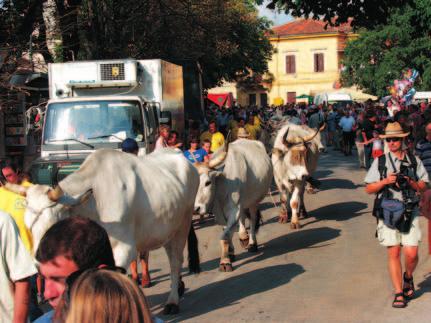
[
  {"x": 146, "y": 283},
  {"x": 295, "y": 226},
  {"x": 244, "y": 242},
  {"x": 282, "y": 218},
  {"x": 232, "y": 257},
  {"x": 303, "y": 214},
  {"x": 171, "y": 309},
  {"x": 181, "y": 288},
  {"x": 252, "y": 248},
  {"x": 311, "y": 190},
  {"x": 225, "y": 268}
]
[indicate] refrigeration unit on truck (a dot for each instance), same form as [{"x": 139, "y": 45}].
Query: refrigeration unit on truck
[{"x": 98, "y": 104}]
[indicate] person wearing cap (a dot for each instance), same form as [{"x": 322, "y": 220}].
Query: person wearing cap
[
  {"x": 395, "y": 241},
  {"x": 130, "y": 146},
  {"x": 243, "y": 134}
]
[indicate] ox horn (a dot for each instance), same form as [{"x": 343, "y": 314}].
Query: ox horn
[
  {"x": 18, "y": 189},
  {"x": 290, "y": 142},
  {"x": 311, "y": 137},
  {"x": 322, "y": 127},
  {"x": 217, "y": 160},
  {"x": 55, "y": 194}
]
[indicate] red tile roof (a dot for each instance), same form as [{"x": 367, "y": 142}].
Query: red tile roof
[{"x": 308, "y": 27}]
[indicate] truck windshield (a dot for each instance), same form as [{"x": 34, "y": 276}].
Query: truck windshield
[{"x": 93, "y": 122}]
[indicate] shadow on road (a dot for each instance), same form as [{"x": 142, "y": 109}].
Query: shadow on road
[
  {"x": 338, "y": 211},
  {"x": 334, "y": 183},
  {"x": 319, "y": 174},
  {"x": 230, "y": 291},
  {"x": 424, "y": 287}
]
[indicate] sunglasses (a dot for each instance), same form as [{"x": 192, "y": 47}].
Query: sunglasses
[
  {"x": 71, "y": 279},
  {"x": 393, "y": 139}
]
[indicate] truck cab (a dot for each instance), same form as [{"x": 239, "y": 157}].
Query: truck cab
[{"x": 98, "y": 105}]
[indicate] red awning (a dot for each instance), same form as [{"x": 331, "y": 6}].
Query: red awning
[{"x": 221, "y": 99}]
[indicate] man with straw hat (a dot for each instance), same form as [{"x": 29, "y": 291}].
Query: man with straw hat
[
  {"x": 243, "y": 134},
  {"x": 398, "y": 177}
]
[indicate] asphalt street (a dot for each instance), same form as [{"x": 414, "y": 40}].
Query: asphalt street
[{"x": 332, "y": 269}]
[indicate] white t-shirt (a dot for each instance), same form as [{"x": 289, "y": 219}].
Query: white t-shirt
[{"x": 15, "y": 264}]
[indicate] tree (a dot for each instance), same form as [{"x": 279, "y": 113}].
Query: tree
[
  {"x": 364, "y": 13},
  {"x": 378, "y": 56},
  {"x": 226, "y": 37}
]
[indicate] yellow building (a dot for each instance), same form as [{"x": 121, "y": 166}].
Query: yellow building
[{"x": 307, "y": 60}]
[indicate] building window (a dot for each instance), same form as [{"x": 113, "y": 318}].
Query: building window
[
  {"x": 290, "y": 64},
  {"x": 252, "y": 99},
  {"x": 291, "y": 97},
  {"x": 318, "y": 63},
  {"x": 263, "y": 99}
]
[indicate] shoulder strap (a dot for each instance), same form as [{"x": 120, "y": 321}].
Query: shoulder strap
[
  {"x": 413, "y": 162},
  {"x": 382, "y": 166}
]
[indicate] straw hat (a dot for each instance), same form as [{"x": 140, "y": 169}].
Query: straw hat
[
  {"x": 394, "y": 129},
  {"x": 242, "y": 133}
]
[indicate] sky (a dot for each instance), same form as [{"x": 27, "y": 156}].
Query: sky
[{"x": 276, "y": 18}]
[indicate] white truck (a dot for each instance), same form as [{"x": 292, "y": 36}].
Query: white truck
[{"x": 98, "y": 104}]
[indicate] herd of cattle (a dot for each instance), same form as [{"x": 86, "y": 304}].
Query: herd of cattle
[{"x": 148, "y": 202}]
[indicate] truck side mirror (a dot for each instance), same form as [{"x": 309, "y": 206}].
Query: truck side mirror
[{"x": 165, "y": 117}]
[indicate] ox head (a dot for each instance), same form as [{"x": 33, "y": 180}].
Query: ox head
[
  {"x": 44, "y": 207},
  {"x": 295, "y": 156},
  {"x": 207, "y": 183}
]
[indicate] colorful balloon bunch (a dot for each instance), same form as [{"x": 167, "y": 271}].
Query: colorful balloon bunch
[{"x": 402, "y": 91}]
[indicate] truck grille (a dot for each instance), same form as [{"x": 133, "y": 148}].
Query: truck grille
[{"x": 112, "y": 72}]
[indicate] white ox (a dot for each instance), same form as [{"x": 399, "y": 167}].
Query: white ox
[
  {"x": 294, "y": 158},
  {"x": 143, "y": 203},
  {"x": 240, "y": 186}
]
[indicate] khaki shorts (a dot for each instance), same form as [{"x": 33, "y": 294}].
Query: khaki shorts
[{"x": 390, "y": 237}]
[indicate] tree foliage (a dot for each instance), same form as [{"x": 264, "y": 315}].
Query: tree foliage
[
  {"x": 364, "y": 13},
  {"x": 226, "y": 37},
  {"x": 378, "y": 56}
]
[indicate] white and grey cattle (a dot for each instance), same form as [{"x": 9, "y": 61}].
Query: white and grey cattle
[
  {"x": 294, "y": 158},
  {"x": 143, "y": 203},
  {"x": 236, "y": 188}
]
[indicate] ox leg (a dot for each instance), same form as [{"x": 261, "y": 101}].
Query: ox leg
[
  {"x": 294, "y": 204},
  {"x": 146, "y": 280},
  {"x": 226, "y": 240},
  {"x": 252, "y": 245},
  {"x": 284, "y": 199},
  {"x": 243, "y": 234},
  {"x": 174, "y": 249}
]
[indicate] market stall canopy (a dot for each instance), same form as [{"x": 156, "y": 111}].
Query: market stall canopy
[
  {"x": 309, "y": 98},
  {"x": 221, "y": 99}
]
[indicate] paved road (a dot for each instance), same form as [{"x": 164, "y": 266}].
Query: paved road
[{"x": 331, "y": 270}]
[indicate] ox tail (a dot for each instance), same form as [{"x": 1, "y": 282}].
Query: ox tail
[{"x": 192, "y": 246}]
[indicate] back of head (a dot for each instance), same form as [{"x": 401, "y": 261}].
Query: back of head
[
  {"x": 79, "y": 239},
  {"x": 113, "y": 298},
  {"x": 129, "y": 145}
]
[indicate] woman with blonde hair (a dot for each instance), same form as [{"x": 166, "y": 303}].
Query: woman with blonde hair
[{"x": 106, "y": 296}]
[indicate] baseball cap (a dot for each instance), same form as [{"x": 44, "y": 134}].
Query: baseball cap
[{"x": 129, "y": 145}]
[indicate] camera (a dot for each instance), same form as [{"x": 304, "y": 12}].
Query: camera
[{"x": 402, "y": 177}]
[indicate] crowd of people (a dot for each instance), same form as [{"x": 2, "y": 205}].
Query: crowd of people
[{"x": 75, "y": 256}]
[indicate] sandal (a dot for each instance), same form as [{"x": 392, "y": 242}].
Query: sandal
[
  {"x": 399, "y": 303},
  {"x": 408, "y": 287}
]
